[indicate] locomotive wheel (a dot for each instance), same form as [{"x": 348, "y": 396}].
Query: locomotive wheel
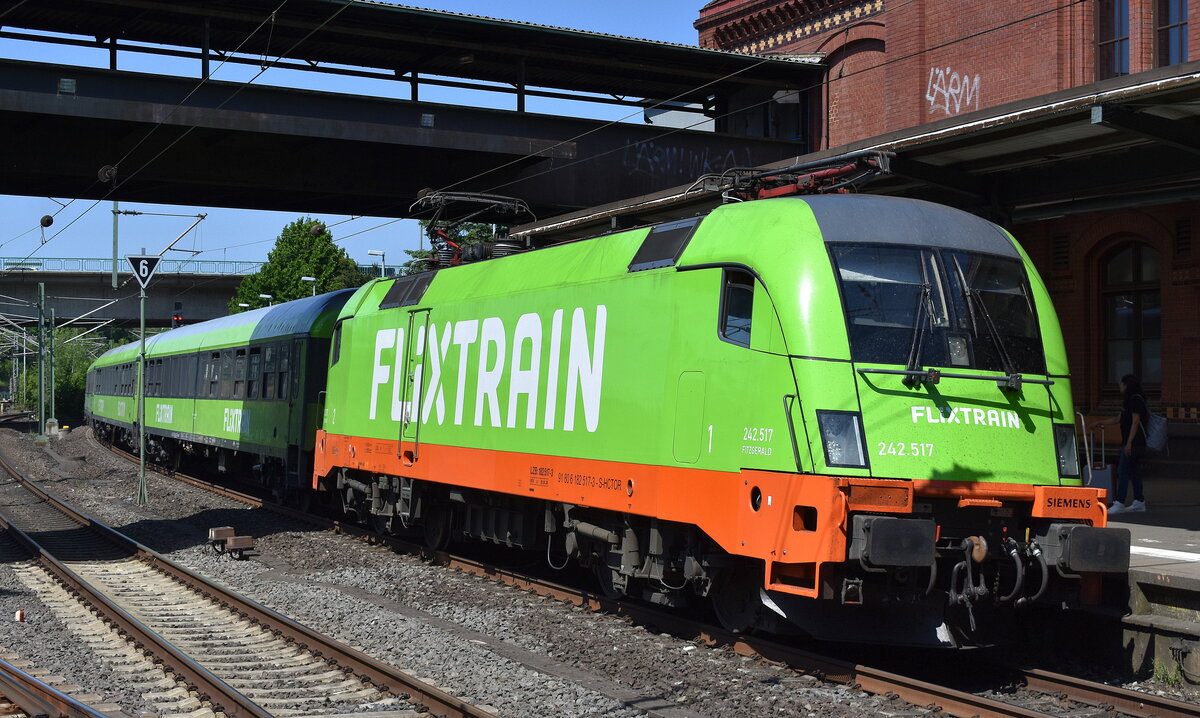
[
  {"x": 437, "y": 527},
  {"x": 735, "y": 600},
  {"x": 382, "y": 524},
  {"x": 604, "y": 575}
]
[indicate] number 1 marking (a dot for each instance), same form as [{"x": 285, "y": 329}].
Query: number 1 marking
[{"x": 710, "y": 438}]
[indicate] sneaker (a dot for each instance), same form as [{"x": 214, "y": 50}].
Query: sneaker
[
  {"x": 1137, "y": 506},
  {"x": 1116, "y": 508}
]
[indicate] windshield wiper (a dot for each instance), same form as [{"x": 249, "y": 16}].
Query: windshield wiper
[
  {"x": 923, "y": 317},
  {"x": 973, "y": 298}
]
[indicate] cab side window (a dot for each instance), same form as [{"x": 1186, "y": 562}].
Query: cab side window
[
  {"x": 737, "y": 307},
  {"x": 336, "y": 354}
]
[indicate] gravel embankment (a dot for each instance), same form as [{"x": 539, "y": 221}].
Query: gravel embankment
[
  {"x": 46, "y": 642},
  {"x": 489, "y": 644}
]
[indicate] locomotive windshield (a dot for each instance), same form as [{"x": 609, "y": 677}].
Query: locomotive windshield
[{"x": 938, "y": 307}]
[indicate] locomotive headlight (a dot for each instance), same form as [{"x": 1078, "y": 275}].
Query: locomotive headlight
[
  {"x": 1068, "y": 453},
  {"x": 842, "y": 437}
]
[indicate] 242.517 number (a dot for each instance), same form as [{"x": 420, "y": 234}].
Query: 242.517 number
[{"x": 896, "y": 448}]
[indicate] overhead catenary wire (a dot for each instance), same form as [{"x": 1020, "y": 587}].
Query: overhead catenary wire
[
  {"x": 597, "y": 155},
  {"x": 152, "y": 129},
  {"x": 264, "y": 67},
  {"x": 115, "y": 182},
  {"x": 796, "y": 92},
  {"x": 672, "y": 131}
]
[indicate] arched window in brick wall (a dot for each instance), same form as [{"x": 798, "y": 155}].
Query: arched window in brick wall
[{"x": 1132, "y": 314}]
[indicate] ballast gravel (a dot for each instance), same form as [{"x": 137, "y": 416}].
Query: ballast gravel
[
  {"x": 488, "y": 644},
  {"x": 40, "y": 641}
]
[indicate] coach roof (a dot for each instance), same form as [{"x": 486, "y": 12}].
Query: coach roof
[{"x": 308, "y": 316}]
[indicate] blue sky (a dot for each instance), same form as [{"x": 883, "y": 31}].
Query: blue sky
[{"x": 84, "y": 230}]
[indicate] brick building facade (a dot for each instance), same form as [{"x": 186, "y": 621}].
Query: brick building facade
[{"x": 1124, "y": 275}]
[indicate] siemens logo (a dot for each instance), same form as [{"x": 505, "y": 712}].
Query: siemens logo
[
  {"x": 978, "y": 417},
  {"x": 1060, "y": 503}
]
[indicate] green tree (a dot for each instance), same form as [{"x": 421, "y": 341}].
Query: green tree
[
  {"x": 71, "y": 362},
  {"x": 303, "y": 248},
  {"x": 466, "y": 233}
]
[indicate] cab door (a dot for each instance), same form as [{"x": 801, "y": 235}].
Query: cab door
[
  {"x": 747, "y": 389},
  {"x": 413, "y": 384}
]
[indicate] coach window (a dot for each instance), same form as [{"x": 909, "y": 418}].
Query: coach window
[
  {"x": 207, "y": 375},
  {"x": 254, "y": 377},
  {"x": 284, "y": 366},
  {"x": 270, "y": 356},
  {"x": 226, "y": 373},
  {"x": 239, "y": 374},
  {"x": 737, "y": 307}
]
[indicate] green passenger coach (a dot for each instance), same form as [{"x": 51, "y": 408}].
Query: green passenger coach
[{"x": 238, "y": 393}]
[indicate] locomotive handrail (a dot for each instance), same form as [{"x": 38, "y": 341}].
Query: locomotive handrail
[
  {"x": 787, "y": 412},
  {"x": 1003, "y": 380}
]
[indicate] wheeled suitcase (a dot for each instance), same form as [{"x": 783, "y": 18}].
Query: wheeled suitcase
[{"x": 1099, "y": 473}]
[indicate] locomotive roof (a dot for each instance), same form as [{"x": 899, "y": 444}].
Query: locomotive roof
[
  {"x": 308, "y": 316},
  {"x": 875, "y": 219}
]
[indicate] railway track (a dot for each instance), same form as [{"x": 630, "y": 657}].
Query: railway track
[
  {"x": 22, "y": 694},
  {"x": 1066, "y": 692},
  {"x": 219, "y": 649}
]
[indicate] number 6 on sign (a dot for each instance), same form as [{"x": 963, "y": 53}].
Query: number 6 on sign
[{"x": 143, "y": 266}]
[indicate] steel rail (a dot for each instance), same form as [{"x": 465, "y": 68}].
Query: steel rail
[
  {"x": 1121, "y": 700},
  {"x": 873, "y": 680},
  {"x": 36, "y": 698},
  {"x": 364, "y": 667},
  {"x": 210, "y": 688}
]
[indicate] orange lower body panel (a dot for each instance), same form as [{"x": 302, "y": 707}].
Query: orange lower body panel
[{"x": 792, "y": 522}]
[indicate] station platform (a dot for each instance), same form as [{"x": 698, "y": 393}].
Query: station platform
[{"x": 1163, "y": 626}]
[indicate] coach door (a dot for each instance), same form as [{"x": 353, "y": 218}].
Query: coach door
[{"x": 414, "y": 385}]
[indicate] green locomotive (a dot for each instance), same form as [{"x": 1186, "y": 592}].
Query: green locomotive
[{"x": 848, "y": 414}]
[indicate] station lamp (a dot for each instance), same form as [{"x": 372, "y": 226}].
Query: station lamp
[
  {"x": 382, "y": 260},
  {"x": 267, "y": 297},
  {"x": 313, "y": 280}
]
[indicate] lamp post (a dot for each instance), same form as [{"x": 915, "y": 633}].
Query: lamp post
[
  {"x": 382, "y": 260},
  {"x": 313, "y": 281},
  {"x": 267, "y": 297},
  {"x": 243, "y": 305}
]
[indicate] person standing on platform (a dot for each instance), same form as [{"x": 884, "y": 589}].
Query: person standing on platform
[{"x": 1133, "y": 418}]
